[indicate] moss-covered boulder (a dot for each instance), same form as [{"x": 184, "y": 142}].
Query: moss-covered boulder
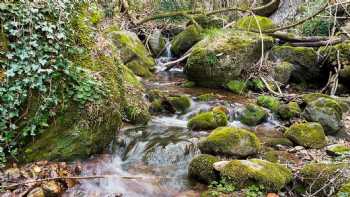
[
  {"x": 305, "y": 62},
  {"x": 310, "y": 135},
  {"x": 283, "y": 72},
  {"x": 344, "y": 190},
  {"x": 201, "y": 168},
  {"x": 253, "y": 115},
  {"x": 221, "y": 108},
  {"x": 255, "y": 23},
  {"x": 316, "y": 176},
  {"x": 222, "y": 57},
  {"x": 185, "y": 40},
  {"x": 237, "y": 86},
  {"x": 230, "y": 142},
  {"x": 269, "y": 102},
  {"x": 325, "y": 110},
  {"x": 206, "y": 97},
  {"x": 75, "y": 134},
  {"x": 207, "y": 121},
  {"x": 243, "y": 173},
  {"x": 180, "y": 103},
  {"x": 288, "y": 111},
  {"x": 156, "y": 42},
  {"x": 133, "y": 53}
]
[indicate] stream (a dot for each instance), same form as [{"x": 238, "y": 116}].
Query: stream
[{"x": 152, "y": 160}]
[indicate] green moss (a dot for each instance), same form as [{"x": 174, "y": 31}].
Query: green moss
[
  {"x": 308, "y": 98},
  {"x": 206, "y": 97},
  {"x": 96, "y": 15},
  {"x": 185, "y": 40},
  {"x": 269, "y": 102},
  {"x": 288, "y": 111},
  {"x": 230, "y": 141},
  {"x": 271, "y": 156},
  {"x": 233, "y": 52},
  {"x": 156, "y": 106},
  {"x": 339, "y": 149},
  {"x": 310, "y": 135},
  {"x": 133, "y": 53},
  {"x": 256, "y": 85},
  {"x": 201, "y": 168},
  {"x": 255, "y": 23},
  {"x": 237, "y": 86},
  {"x": 283, "y": 72},
  {"x": 180, "y": 103},
  {"x": 253, "y": 115},
  {"x": 305, "y": 56},
  {"x": 317, "y": 175},
  {"x": 75, "y": 134},
  {"x": 207, "y": 121},
  {"x": 255, "y": 171},
  {"x": 344, "y": 190}
]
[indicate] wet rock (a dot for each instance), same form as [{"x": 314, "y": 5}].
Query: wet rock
[
  {"x": 338, "y": 150},
  {"x": 133, "y": 53},
  {"x": 222, "y": 57},
  {"x": 254, "y": 23},
  {"x": 221, "y": 108},
  {"x": 180, "y": 103},
  {"x": 288, "y": 111},
  {"x": 283, "y": 72},
  {"x": 275, "y": 142},
  {"x": 201, "y": 168},
  {"x": 309, "y": 135},
  {"x": 271, "y": 175},
  {"x": 185, "y": 40},
  {"x": 253, "y": 115},
  {"x": 325, "y": 110},
  {"x": 230, "y": 141},
  {"x": 344, "y": 190},
  {"x": 36, "y": 192},
  {"x": 317, "y": 175},
  {"x": 305, "y": 63},
  {"x": 207, "y": 121},
  {"x": 206, "y": 97},
  {"x": 52, "y": 188},
  {"x": 156, "y": 42},
  {"x": 237, "y": 86},
  {"x": 269, "y": 102}
]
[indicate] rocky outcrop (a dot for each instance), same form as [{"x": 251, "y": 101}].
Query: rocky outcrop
[{"x": 222, "y": 57}]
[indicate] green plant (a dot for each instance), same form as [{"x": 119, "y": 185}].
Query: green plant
[
  {"x": 223, "y": 186},
  {"x": 255, "y": 191},
  {"x": 41, "y": 79}
]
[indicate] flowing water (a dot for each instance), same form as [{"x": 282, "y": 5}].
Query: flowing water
[{"x": 152, "y": 160}]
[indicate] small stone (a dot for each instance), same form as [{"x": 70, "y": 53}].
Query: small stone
[
  {"x": 36, "y": 192},
  {"x": 52, "y": 188}
]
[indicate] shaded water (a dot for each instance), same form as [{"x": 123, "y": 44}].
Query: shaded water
[{"x": 152, "y": 160}]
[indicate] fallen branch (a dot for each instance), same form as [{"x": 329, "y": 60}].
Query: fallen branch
[
  {"x": 171, "y": 64},
  {"x": 169, "y": 14},
  {"x": 318, "y": 43},
  {"x": 289, "y": 37}
]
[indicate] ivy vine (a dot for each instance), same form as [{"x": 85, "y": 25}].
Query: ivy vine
[{"x": 37, "y": 71}]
